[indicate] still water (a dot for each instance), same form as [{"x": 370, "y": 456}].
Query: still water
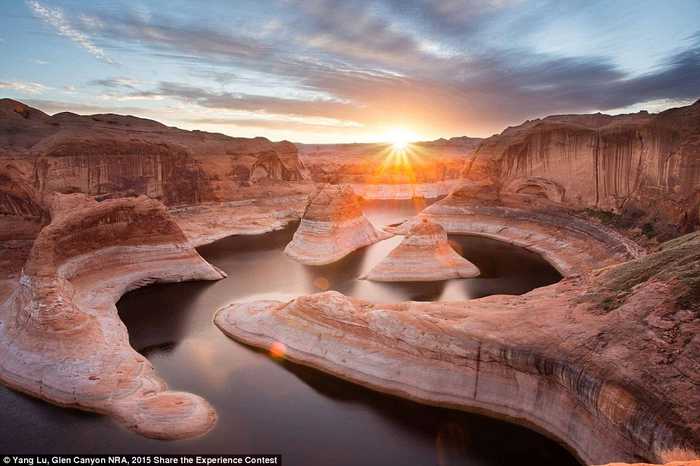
[{"x": 267, "y": 406}]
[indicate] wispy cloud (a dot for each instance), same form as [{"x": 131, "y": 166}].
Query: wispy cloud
[
  {"x": 24, "y": 87},
  {"x": 57, "y": 19},
  {"x": 454, "y": 66},
  {"x": 251, "y": 103}
]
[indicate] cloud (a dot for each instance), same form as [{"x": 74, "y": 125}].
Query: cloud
[
  {"x": 251, "y": 103},
  {"x": 410, "y": 62},
  {"x": 161, "y": 33},
  {"x": 277, "y": 124},
  {"x": 116, "y": 83},
  {"x": 56, "y": 18},
  {"x": 24, "y": 87}
]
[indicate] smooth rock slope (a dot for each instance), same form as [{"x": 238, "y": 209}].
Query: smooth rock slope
[
  {"x": 60, "y": 335},
  {"x": 424, "y": 255},
  {"x": 332, "y": 227}
]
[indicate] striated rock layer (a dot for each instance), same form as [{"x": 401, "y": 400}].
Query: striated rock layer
[
  {"x": 424, "y": 255},
  {"x": 208, "y": 222},
  {"x": 570, "y": 243},
  {"x": 605, "y": 361},
  {"x": 332, "y": 227},
  {"x": 60, "y": 335},
  {"x": 646, "y": 166},
  {"x": 117, "y": 155}
]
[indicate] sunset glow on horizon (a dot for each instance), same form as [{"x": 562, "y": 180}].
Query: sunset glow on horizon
[
  {"x": 326, "y": 71},
  {"x": 400, "y": 138}
]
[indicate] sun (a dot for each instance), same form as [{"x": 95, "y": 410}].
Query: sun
[{"x": 400, "y": 138}]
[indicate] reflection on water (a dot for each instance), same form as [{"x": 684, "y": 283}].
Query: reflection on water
[{"x": 268, "y": 405}]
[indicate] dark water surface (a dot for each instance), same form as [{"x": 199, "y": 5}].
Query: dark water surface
[{"x": 266, "y": 406}]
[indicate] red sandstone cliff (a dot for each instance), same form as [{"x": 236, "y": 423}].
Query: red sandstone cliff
[
  {"x": 643, "y": 165},
  {"x": 116, "y": 155}
]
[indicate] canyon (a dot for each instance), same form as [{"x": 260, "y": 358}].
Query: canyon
[
  {"x": 604, "y": 361},
  {"x": 643, "y": 167}
]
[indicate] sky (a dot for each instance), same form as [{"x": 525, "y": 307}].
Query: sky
[{"x": 330, "y": 71}]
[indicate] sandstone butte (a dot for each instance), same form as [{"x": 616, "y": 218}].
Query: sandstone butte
[
  {"x": 424, "y": 255},
  {"x": 605, "y": 360},
  {"x": 332, "y": 227},
  {"x": 61, "y": 338}
]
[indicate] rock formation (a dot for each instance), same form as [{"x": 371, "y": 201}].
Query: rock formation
[
  {"x": 605, "y": 361},
  {"x": 332, "y": 227},
  {"x": 572, "y": 244},
  {"x": 22, "y": 216},
  {"x": 122, "y": 155},
  {"x": 647, "y": 165},
  {"x": 424, "y": 255},
  {"x": 60, "y": 336},
  {"x": 271, "y": 210}
]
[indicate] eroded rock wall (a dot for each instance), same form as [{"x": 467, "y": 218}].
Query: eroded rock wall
[
  {"x": 119, "y": 155},
  {"x": 332, "y": 227},
  {"x": 641, "y": 162}
]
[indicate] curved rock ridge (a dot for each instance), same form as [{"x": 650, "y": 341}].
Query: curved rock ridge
[
  {"x": 332, "y": 227},
  {"x": 605, "y": 362},
  {"x": 570, "y": 243},
  {"x": 424, "y": 255},
  {"x": 61, "y": 338}
]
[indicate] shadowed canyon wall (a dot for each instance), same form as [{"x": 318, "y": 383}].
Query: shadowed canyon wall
[
  {"x": 122, "y": 155},
  {"x": 640, "y": 165}
]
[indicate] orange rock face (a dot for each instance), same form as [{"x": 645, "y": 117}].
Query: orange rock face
[
  {"x": 123, "y": 155},
  {"x": 572, "y": 244},
  {"x": 644, "y": 164},
  {"x": 61, "y": 338},
  {"x": 332, "y": 227},
  {"x": 424, "y": 255}
]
